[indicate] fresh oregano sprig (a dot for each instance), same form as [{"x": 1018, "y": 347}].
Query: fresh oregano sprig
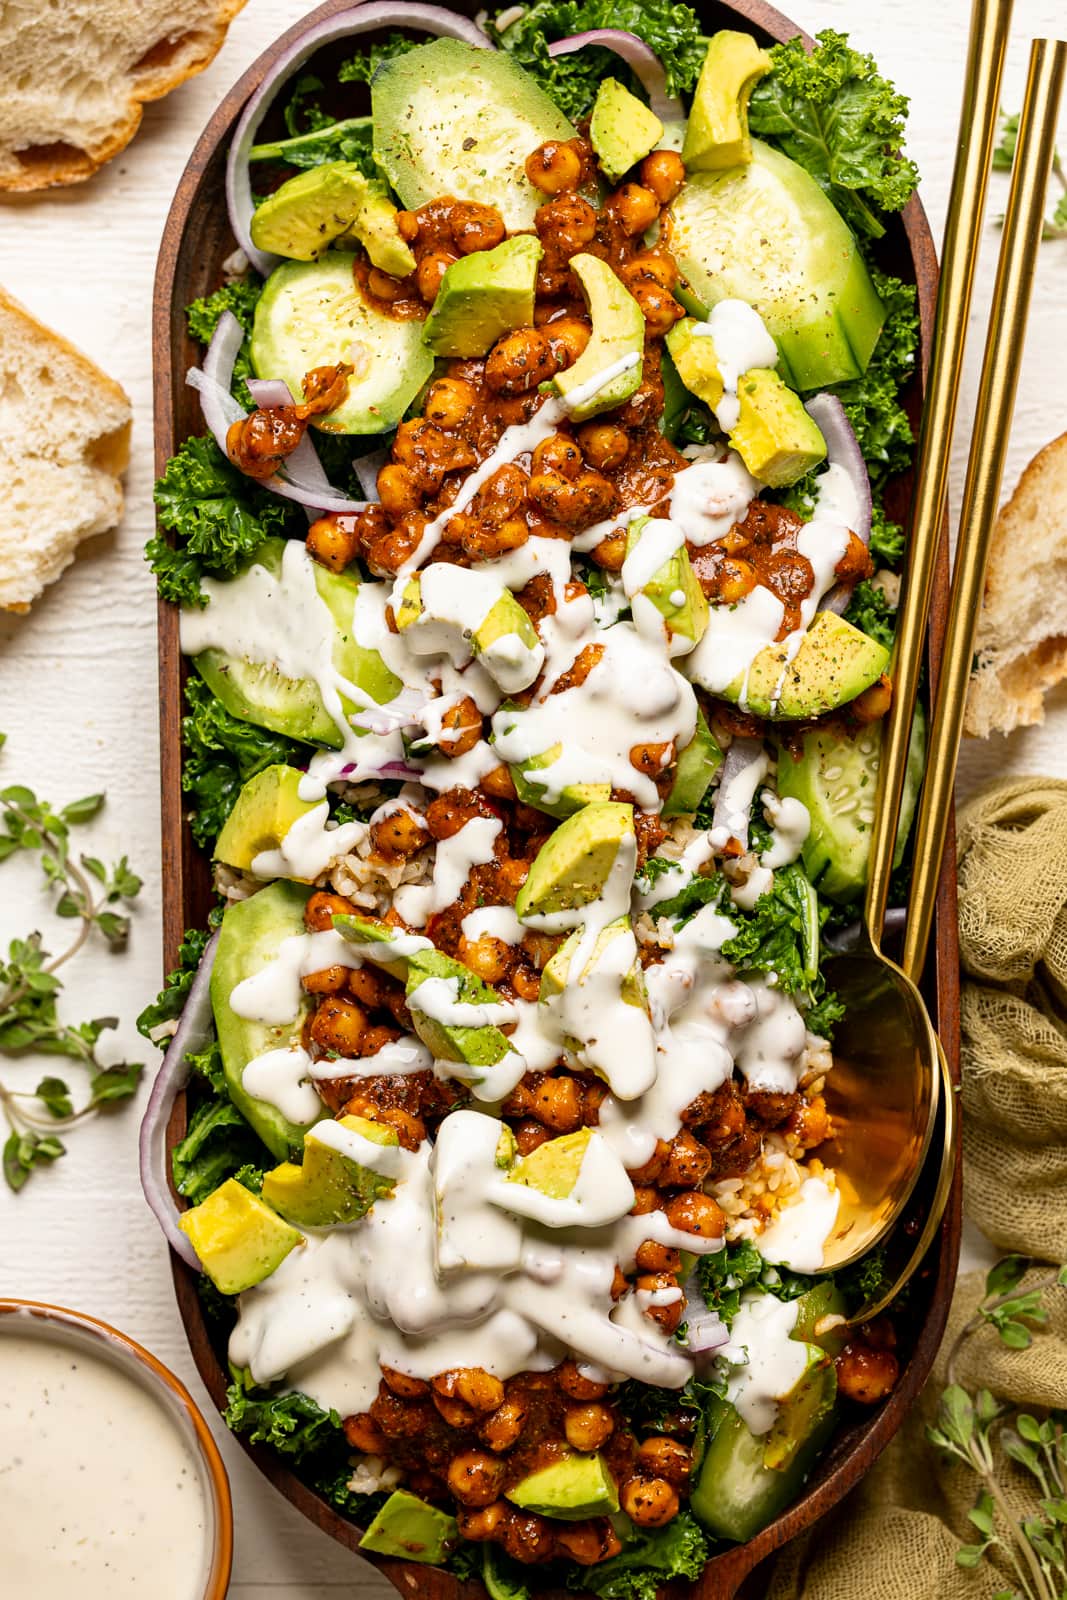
[
  {"x": 92, "y": 894},
  {"x": 969, "y": 1427}
]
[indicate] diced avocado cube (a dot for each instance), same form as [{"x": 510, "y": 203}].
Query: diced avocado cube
[
  {"x": 716, "y": 134},
  {"x": 835, "y": 663},
  {"x": 618, "y": 340},
  {"x": 250, "y": 938},
  {"x": 454, "y": 610},
  {"x": 573, "y": 1487},
  {"x": 697, "y": 765},
  {"x": 557, "y": 972},
  {"x": 571, "y": 799},
  {"x": 673, "y": 588},
  {"x": 573, "y": 865},
  {"x": 239, "y": 1239},
  {"x": 766, "y": 233},
  {"x": 375, "y": 228},
  {"x": 554, "y": 1166},
  {"x": 775, "y": 437},
  {"x": 483, "y": 296},
  {"x": 308, "y": 213},
  {"x": 330, "y": 1187},
  {"x": 479, "y": 1046},
  {"x": 265, "y": 810},
  {"x": 695, "y": 361},
  {"x": 411, "y": 1530},
  {"x": 622, "y": 129}
]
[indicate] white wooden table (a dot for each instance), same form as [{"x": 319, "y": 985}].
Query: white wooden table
[{"x": 78, "y": 675}]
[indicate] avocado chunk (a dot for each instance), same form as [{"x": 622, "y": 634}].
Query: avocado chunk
[
  {"x": 375, "y": 228},
  {"x": 266, "y": 808},
  {"x": 453, "y": 611},
  {"x": 765, "y": 233},
  {"x": 716, "y": 135},
  {"x": 672, "y": 587},
  {"x": 411, "y": 1530},
  {"x": 557, "y": 973},
  {"x": 835, "y": 663},
  {"x": 573, "y": 1487},
  {"x": 618, "y": 341},
  {"x": 532, "y": 793},
  {"x": 251, "y": 935},
  {"x": 312, "y": 314},
  {"x": 255, "y": 689},
  {"x": 836, "y": 778},
  {"x": 240, "y": 1241},
  {"x": 554, "y": 1166},
  {"x": 308, "y": 213},
  {"x": 746, "y": 1479},
  {"x": 479, "y": 1046},
  {"x": 697, "y": 765},
  {"x": 574, "y": 864},
  {"x": 450, "y": 118},
  {"x": 483, "y": 296},
  {"x": 622, "y": 130},
  {"x": 582, "y": 1009},
  {"x": 775, "y": 437},
  {"x": 330, "y": 1187},
  {"x": 695, "y": 361}
]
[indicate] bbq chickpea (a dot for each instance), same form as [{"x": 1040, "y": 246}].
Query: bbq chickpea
[
  {"x": 502, "y": 1427},
  {"x": 634, "y": 207},
  {"x": 338, "y": 1025},
  {"x": 431, "y": 269},
  {"x": 663, "y": 173},
  {"x": 399, "y": 834},
  {"x": 322, "y": 908},
  {"x": 655, "y": 1257},
  {"x": 669, "y": 1315},
  {"x": 461, "y": 728},
  {"x": 407, "y": 1388},
  {"x": 667, "y": 1459},
  {"x": 475, "y": 227},
  {"x": 687, "y": 1164},
  {"x": 473, "y": 1386},
  {"x": 566, "y": 225},
  {"x": 588, "y": 1427},
  {"x": 557, "y": 1102},
  {"x": 603, "y": 445},
  {"x": 331, "y": 544},
  {"x": 489, "y": 957},
  {"x": 658, "y": 306},
  {"x": 475, "y": 1478},
  {"x": 329, "y": 980},
  {"x": 695, "y": 1213},
  {"x": 576, "y": 1386},
  {"x": 589, "y": 1542},
  {"x": 520, "y": 361},
  {"x": 397, "y": 489},
  {"x": 650, "y": 1502},
  {"x": 866, "y": 1374},
  {"x": 554, "y": 167},
  {"x": 364, "y": 1434},
  {"x": 449, "y": 402},
  {"x": 483, "y": 1522}
]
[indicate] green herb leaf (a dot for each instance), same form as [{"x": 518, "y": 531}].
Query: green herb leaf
[
  {"x": 116, "y": 1082},
  {"x": 56, "y": 1096},
  {"x": 1007, "y": 1273}
]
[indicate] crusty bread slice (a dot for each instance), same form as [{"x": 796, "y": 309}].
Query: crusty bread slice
[
  {"x": 1022, "y": 632},
  {"x": 64, "y": 440},
  {"x": 74, "y": 76}
]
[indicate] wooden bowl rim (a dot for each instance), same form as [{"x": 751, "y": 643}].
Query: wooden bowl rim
[{"x": 726, "y": 1570}]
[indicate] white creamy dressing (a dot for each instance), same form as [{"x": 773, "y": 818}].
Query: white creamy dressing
[
  {"x": 657, "y": 542},
  {"x": 101, "y": 1496},
  {"x": 796, "y": 1238},
  {"x": 741, "y": 342},
  {"x": 764, "y": 1364},
  {"x": 711, "y": 495},
  {"x": 395, "y": 1059},
  {"x": 457, "y": 602},
  {"x": 438, "y": 999},
  {"x": 473, "y": 845},
  {"x": 495, "y": 922},
  {"x": 790, "y": 822},
  {"x": 282, "y": 1078},
  {"x": 310, "y": 847}
]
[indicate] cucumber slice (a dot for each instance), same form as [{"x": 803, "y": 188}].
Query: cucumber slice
[
  {"x": 257, "y": 691},
  {"x": 451, "y": 119},
  {"x": 311, "y": 314},
  {"x": 836, "y": 778},
  {"x": 767, "y": 234}
]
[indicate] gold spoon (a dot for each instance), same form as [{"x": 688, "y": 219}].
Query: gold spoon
[{"x": 884, "y": 1090}]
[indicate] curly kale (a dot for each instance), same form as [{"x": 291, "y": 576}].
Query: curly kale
[
  {"x": 220, "y": 754},
  {"x": 651, "y": 1559},
  {"x": 361, "y": 68},
  {"x": 673, "y": 31},
  {"x": 218, "y": 1144},
  {"x": 870, "y": 611},
  {"x": 835, "y": 115},
  {"x": 171, "y": 998}
]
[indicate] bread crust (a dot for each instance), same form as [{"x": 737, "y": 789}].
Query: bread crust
[
  {"x": 1021, "y": 645},
  {"x": 56, "y": 165}
]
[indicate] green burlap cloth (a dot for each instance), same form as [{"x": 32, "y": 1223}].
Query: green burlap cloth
[{"x": 896, "y": 1536}]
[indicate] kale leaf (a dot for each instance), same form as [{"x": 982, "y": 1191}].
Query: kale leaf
[
  {"x": 679, "y": 1550},
  {"x": 781, "y": 933},
  {"x": 171, "y": 998},
  {"x": 834, "y": 114},
  {"x": 673, "y": 31},
  {"x": 870, "y": 611},
  {"x": 348, "y": 140},
  {"x": 207, "y": 1064},
  {"x": 222, "y": 753},
  {"x": 217, "y": 516},
  {"x": 303, "y": 113},
  {"x": 218, "y": 1143},
  {"x": 723, "y": 1274},
  {"x": 241, "y": 297},
  {"x": 887, "y": 538},
  {"x": 293, "y": 1424},
  {"x": 698, "y": 892},
  {"x": 361, "y": 68}
]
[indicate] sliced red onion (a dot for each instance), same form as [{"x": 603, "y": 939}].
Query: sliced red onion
[
  {"x": 367, "y": 469},
  {"x": 705, "y": 1331},
  {"x": 639, "y": 56},
  {"x": 302, "y": 478},
  {"x": 192, "y": 1034},
  {"x": 388, "y": 769},
  {"x": 842, "y": 450},
  {"x": 268, "y": 392},
  {"x": 741, "y": 754},
  {"x": 360, "y": 19}
]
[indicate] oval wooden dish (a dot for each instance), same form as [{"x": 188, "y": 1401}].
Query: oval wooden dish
[{"x": 196, "y": 241}]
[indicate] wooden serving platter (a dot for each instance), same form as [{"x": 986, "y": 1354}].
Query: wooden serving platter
[{"x": 196, "y": 240}]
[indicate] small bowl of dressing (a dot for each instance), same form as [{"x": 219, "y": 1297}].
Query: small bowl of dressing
[{"x": 110, "y": 1483}]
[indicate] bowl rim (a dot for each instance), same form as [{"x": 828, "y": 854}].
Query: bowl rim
[
  {"x": 127, "y": 1351},
  {"x": 729, "y": 1564}
]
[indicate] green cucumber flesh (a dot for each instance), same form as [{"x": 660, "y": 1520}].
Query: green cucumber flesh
[{"x": 312, "y": 314}]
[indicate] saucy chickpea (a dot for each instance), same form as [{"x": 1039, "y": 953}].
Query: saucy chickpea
[
  {"x": 502, "y": 1427},
  {"x": 554, "y": 166},
  {"x": 449, "y": 402},
  {"x": 604, "y": 445},
  {"x": 430, "y": 270},
  {"x": 667, "y": 1459},
  {"x": 519, "y": 361},
  {"x": 695, "y": 1213},
  {"x": 364, "y": 1434},
  {"x": 475, "y": 227},
  {"x": 338, "y": 1025},
  {"x": 576, "y": 1385},
  {"x": 331, "y": 543},
  {"x": 330, "y": 980},
  {"x": 663, "y": 173},
  {"x": 482, "y": 1523},
  {"x": 475, "y": 1478},
  {"x": 635, "y": 208},
  {"x": 399, "y": 834},
  {"x": 650, "y": 1502},
  {"x": 588, "y": 1427},
  {"x": 461, "y": 728},
  {"x": 397, "y": 489}
]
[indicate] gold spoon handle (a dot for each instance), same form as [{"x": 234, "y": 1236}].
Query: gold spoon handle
[
  {"x": 985, "y": 468},
  {"x": 990, "y": 21}
]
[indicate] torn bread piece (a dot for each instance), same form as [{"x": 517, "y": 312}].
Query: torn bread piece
[
  {"x": 64, "y": 441},
  {"x": 1021, "y": 648},
  {"x": 74, "y": 78}
]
